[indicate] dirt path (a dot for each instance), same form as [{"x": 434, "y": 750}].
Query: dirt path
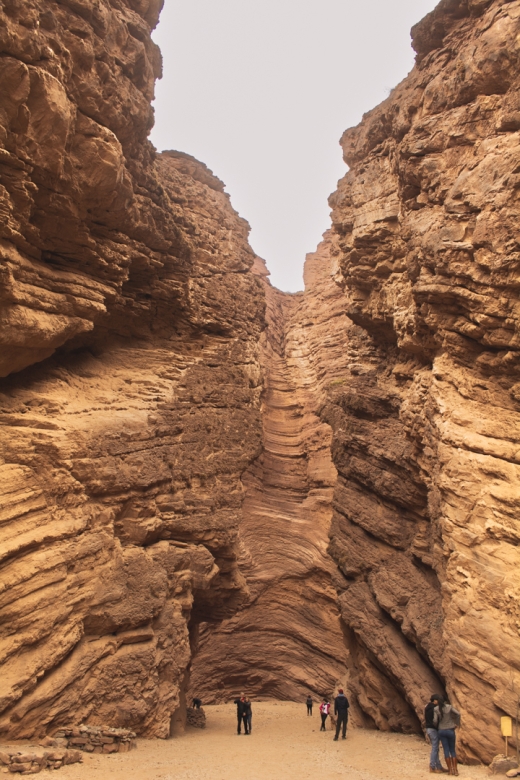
[{"x": 285, "y": 744}]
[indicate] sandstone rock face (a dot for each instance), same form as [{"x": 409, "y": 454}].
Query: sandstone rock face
[
  {"x": 286, "y": 640},
  {"x": 202, "y": 475},
  {"x": 78, "y": 202},
  {"x": 122, "y": 453},
  {"x": 426, "y": 424}
]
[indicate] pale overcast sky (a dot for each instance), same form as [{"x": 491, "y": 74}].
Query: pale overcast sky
[{"x": 261, "y": 91}]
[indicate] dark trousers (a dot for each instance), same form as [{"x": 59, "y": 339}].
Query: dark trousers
[
  {"x": 323, "y": 721},
  {"x": 309, "y": 709},
  {"x": 342, "y": 718},
  {"x": 239, "y": 723},
  {"x": 246, "y": 723}
]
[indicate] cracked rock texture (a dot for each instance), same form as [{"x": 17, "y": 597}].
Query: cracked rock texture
[
  {"x": 287, "y": 639},
  {"x": 121, "y": 454},
  {"x": 426, "y": 425},
  {"x": 202, "y": 475}
]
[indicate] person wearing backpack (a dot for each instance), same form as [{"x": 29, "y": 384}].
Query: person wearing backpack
[
  {"x": 324, "y": 711},
  {"x": 433, "y": 734},
  {"x": 447, "y": 719}
]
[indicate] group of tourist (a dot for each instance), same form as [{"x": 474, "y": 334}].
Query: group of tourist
[
  {"x": 441, "y": 720},
  {"x": 341, "y": 708}
]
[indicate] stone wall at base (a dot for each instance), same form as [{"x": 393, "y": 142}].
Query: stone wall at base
[
  {"x": 94, "y": 739},
  {"x": 35, "y": 759}
]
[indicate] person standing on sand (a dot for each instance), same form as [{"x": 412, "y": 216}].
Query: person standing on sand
[
  {"x": 248, "y": 715},
  {"x": 240, "y": 712},
  {"x": 341, "y": 705},
  {"x": 433, "y": 734},
  {"x": 447, "y": 718},
  {"x": 324, "y": 711},
  {"x": 309, "y": 705}
]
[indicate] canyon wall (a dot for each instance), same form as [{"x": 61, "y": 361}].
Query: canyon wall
[
  {"x": 286, "y": 640},
  {"x": 130, "y": 403},
  {"x": 202, "y": 477},
  {"x": 426, "y": 424}
]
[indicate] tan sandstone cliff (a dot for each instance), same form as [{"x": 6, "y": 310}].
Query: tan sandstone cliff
[
  {"x": 200, "y": 475},
  {"x": 287, "y": 639},
  {"x": 121, "y": 454},
  {"x": 427, "y": 431}
]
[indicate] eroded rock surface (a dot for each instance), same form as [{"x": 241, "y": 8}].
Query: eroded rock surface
[
  {"x": 121, "y": 454},
  {"x": 331, "y": 498},
  {"x": 426, "y": 425},
  {"x": 287, "y": 639}
]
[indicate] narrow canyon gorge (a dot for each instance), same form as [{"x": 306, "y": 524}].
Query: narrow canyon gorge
[{"x": 208, "y": 485}]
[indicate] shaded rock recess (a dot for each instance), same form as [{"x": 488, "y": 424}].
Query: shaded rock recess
[{"x": 207, "y": 485}]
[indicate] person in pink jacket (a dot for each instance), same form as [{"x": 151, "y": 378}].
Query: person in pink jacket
[{"x": 324, "y": 711}]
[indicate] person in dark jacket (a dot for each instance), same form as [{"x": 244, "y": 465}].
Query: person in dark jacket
[
  {"x": 248, "y": 716},
  {"x": 341, "y": 705},
  {"x": 433, "y": 734},
  {"x": 309, "y": 705},
  {"x": 240, "y": 702}
]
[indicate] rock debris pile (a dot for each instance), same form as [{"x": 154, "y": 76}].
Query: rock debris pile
[
  {"x": 94, "y": 739},
  {"x": 34, "y": 759},
  {"x": 196, "y": 717}
]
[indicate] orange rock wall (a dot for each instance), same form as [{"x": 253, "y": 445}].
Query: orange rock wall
[
  {"x": 426, "y": 425},
  {"x": 287, "y": 639},
  {"x": 127, "y": 298},
  {"x": 200, "y": 475}
]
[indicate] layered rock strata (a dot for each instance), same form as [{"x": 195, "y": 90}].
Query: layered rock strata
[
  {"x": 122, "y": 452},
  {"x": 332, "y": 498},
  {"x": 286, "y": 640},
  {"x": 426, "y": 431}
]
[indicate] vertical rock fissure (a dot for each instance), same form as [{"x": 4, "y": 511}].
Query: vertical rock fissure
[{"x": 287, "y": 639}]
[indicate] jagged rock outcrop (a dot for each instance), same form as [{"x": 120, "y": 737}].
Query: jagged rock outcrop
[
  {"x": 426, "y": 428},
  {"x": 121, "y": 454},
  {"x": 299, "y": 489}
]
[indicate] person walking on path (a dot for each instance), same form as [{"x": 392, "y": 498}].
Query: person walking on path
[
  {"x": 248, "y": 716},
  {"x": 433, "y": 734},
  {"x": 341, "y": 705},
  {"x": 447, "y": 718},
  {"x": 324, "y": 711},
  {"x": 309, "y": 705},
  {"x": 240, "y": 711}
]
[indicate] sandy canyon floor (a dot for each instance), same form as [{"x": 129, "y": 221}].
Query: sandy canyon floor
[{"x": 285, "y": 743}]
